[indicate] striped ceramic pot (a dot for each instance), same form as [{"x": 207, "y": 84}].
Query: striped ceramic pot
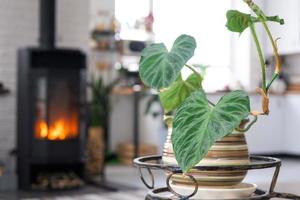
[{"x": 230, "y": 150}]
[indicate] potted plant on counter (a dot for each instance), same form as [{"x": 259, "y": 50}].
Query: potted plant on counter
[{"x": 202, "y": 132}]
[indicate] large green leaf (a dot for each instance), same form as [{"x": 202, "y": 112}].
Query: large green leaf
[
  {"x": 160, "y": 68},
  {"x": 237, "y": 21},
  {"x": 197, "y": 125},
  {"x": 172, "y": 97}
]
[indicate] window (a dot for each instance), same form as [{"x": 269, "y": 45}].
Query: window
[
  {"x": 130, "y": 14},
  {"x": 203, "y": 19}
]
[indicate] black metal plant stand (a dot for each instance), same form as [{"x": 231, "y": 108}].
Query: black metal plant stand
[{"x": 256, "y": 162}]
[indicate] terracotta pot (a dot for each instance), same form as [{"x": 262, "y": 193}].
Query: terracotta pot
[
  {"x": 95, "y": 151},
  {"x": 230, "y": 150}
]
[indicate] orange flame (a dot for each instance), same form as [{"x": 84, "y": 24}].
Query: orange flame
[{"x": 59, "y": 130}]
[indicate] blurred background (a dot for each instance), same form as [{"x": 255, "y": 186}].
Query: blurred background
[{"x": 74, "y": 113}]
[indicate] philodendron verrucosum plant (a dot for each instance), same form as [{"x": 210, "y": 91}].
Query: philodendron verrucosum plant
[{"x": 198, "y": 123}]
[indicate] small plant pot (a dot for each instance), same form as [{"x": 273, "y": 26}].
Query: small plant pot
[
  {"x": 95, "y": 151},
  {"x": 230, "y": 150}
]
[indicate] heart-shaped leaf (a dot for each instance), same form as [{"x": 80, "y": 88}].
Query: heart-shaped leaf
[
  {"x": 197, "y": 125},
  {"x": 160, "y": 68},
  {"x": 172, "y": 97},
  {"x": 237, "y": 21}
]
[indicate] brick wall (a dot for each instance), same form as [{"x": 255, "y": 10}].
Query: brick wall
[
  {"x": 73, "y": 23},
  {"x": 18, "y": 28}
]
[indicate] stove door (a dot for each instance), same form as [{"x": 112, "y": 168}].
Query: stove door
[
  {"x": 58, "y": 120},
  {"x": 57, "y": 107}
]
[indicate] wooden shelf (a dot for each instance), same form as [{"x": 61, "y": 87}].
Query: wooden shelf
[
  {"x": 1, "y": 169},
  {"x": 123, "y": 91},
  {"x": 104, "y": 33},
  {"x": 127, "y": 90}
]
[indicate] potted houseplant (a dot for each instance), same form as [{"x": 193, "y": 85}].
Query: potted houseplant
[
  {"x": 202, "y": 132},
  {"x": 95, "y": 141}
]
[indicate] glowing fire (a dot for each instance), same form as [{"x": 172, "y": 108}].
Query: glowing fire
[{"x": 61, "y": 129}]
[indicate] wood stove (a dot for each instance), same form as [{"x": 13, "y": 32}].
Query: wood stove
[{"x": 51, "y": 124}]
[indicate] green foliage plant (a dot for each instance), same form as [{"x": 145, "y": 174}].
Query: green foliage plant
[
  {"x": 98, "y": 102},
  {"x": 198, "y": 123}
]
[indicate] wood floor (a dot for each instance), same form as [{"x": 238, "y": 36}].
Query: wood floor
[{"x": 129, "y": 186}]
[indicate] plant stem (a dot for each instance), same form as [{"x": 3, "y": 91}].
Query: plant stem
[
  {"x": 274, "y": 46},
  {"x": 211, "y": 103},
  {"x": 194, "y": 70},
  {"x": 276, "y": 54},
  {"x": 249, "y": 125},
  {"x": 255, "y": 8},
  {"x": 261, "y": 57},
  {"x": 274, "y": 77},
  {"x": 269, "y": 18},
  {"x": 199, "y": 75},
  {"x": 263, "y": 18}
]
